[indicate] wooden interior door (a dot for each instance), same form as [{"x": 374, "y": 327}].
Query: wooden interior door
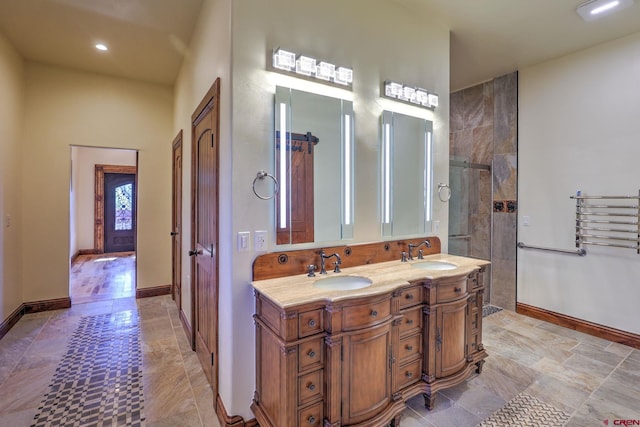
[
  {"x": 119, "y": 212},
  {"x": 176, "y": 222},
  {"x": 300, "y": 226},
  {"x": 204, "y": 226}
]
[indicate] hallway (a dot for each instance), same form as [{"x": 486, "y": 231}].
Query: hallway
[{"x": 134, "y": 367}]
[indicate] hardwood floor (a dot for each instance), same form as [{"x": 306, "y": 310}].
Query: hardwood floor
[{"x": 102, "y": 277}]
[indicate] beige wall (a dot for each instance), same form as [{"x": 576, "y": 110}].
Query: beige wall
[
  {"x": 578, "y": 130},
  {"x": 65, "y": 108},
  {"x": 418, "y": 53},
  {"x": 11, "y": 107},
  {"x": 209, "y": 58},
  {"x": 86, "y": 158}
]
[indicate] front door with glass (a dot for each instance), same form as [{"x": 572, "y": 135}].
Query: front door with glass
[{"x": 119, "y": 212}]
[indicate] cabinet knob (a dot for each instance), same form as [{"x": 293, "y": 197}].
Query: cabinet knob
[
  {"x": 312, "y": 323},
  {"x": 311, "y": 354},
  {"x": 311, "y": 419},
  {"x": 410, "y": 322},
  {"x": 409, "y": 296},
  {"x": 311, "y": 386},
  {"x": 409, "y": 347},
  {"x": 374, "y": 313},
  {"x": 409, "y": 374},
  {"x": 457, "y": 289}
]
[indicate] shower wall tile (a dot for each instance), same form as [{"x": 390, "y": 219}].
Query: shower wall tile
[
  {"x": 456, "y": 115},
  {"x": 482, "y": 148},
  {"x": 462, "y": 143},
  {"x": 488, "y": 104},
  {"x": 505, "y": 177},
  {"x": 503, "y": 263},
  {"x": 473, "y": 113},
  {"x": 506, "y": 114}
]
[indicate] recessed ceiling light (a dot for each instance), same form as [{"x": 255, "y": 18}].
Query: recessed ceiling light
[
  {"x": 595, "y": 9},
  {"x": 102, "y": 47}
]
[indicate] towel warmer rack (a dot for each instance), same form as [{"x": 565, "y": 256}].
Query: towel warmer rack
[{"x": 598, "y": 219}]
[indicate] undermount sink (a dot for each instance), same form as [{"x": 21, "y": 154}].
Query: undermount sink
[
  {"x": 435, "y": 265},
  {"x": 343, "y": 283}
]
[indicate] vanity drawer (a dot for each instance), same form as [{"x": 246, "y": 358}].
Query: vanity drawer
[
  {"x": 310, "y": 387},
  {"x": 410, "y": 347},
  {"x": 474, "y": 319},
  {"x": 358, "y": 316},
  {"x": 309, "y": 323},
  {"x": 409, "y": 373},
  {"x": 411, "y": 321},
  {"x": 410, "y": 297},
  {"x": 451, "y": 290},
  {"x": 311, "y": 416},
  {"x": 474, "y": 280},
  {"x": 310, "y": 355}
]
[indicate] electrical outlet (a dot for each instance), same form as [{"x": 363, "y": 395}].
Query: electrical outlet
[
  {"x": 526, "y": 221},
  {"x": 243, "y": 241},
  {"x": 436, "y": 227},
  {"x": 260, "y": 241}
]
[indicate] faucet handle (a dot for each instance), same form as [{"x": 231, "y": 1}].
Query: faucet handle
[
  {"x": 403, "y": 256},
  {"x": 420, "y": 254},
  {"x": 311, "y": 270},
  {"x": 337, "y": 268}
]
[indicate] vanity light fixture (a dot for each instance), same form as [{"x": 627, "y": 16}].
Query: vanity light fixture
[
  {"x": 347, "y": 150},
  {"x": 410, "y": 94},
  {"x": 310, "y": 67},
  {"x": 595, "y": 9}
]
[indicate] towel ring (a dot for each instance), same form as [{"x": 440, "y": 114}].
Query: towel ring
[
  {"x": 448, "y": 196},
  {"x": 261, "y": 175}
]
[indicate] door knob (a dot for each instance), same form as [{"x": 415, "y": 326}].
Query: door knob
[
  {"x": 174, "y": 233},
  {"x": 195, "y": 252}
]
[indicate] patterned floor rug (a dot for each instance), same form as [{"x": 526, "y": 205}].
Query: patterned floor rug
[
  {"x": 488, "y": 310},
  {"x": 526, "y": 411},
  {"x": 99, "y": 380}
]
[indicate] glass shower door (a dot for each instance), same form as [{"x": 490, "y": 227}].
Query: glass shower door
[{"x": 470, "y": 210}]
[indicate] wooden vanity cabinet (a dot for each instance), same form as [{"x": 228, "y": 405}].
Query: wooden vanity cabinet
[{"x": 355, "y": 362}]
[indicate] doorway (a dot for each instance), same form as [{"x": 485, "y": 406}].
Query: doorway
[
  {"x": 176, "y": 223},
  {"x": 102, "y": 224}
]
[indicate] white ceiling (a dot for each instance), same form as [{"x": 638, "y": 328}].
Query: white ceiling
[{"x": 148, "y": 38}]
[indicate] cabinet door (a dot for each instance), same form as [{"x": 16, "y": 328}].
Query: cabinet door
[
  {"x": 451, "y": 338},
  {"x": 366, "y": 375}
]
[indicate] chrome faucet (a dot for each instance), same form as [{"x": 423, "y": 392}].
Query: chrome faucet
[
  {"x": 427, "y": 243},
  {"x": 324, "y": 256}
]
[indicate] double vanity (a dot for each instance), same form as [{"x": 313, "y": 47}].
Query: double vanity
[{"x": 350, "y": 348}]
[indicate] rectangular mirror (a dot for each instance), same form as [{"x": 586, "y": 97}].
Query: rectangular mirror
[
  {"x": 314, "y": 158},
  {"x": 406, "y": 178}
]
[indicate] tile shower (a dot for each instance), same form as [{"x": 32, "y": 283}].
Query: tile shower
[{"x": 483, "y": 179}]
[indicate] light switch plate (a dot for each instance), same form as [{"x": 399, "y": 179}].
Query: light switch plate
[
  {"x": 260, "y": 241},
  {"x": 436, "y": 227},
  {"x": 243, "y": 241}
]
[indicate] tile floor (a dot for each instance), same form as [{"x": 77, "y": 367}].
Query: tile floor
[
  {"x": 102, "y": 277},
  {"x": 536, "y": 372}
]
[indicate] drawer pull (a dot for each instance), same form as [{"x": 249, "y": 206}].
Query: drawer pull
[
  {"x": 312, "y": 323},
  {"x": 311, "y": 386},
  {"x": 409, "y": 374},
  {"x": 457, "y": 289},
  {"x": 311, "y": 354},
  {"x": 410, "y": 322},
  {"x": 374, "y": 313},
  {"x": 409, "y": 347},
  {"x": 409, "y": 296},
  {"x": 312, "y": 419}
]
